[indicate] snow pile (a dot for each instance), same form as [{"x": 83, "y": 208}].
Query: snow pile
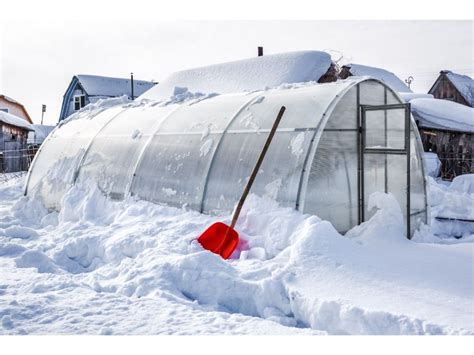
[
  {"x": 246, "y": 75},
  {"x": 443, "y": 114},
  {"x": 378, "y": 73},
  {"x": 432, "y": 164},
  {"x": 452, "y": 209},
  {"x": 133, "y": 267},
  {"x": 15, "y": 121}
]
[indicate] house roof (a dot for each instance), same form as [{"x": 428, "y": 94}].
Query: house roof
[
  {"x": 250, "y": 74},
  {"x": 378, "y": 73},
  {"x": 463, "y": 83},
  {"x": 15, "y": 121},
  {"x": 13, "y": 101},
  {"x": 443, "y": 114},
  {"x": 95, "y": 85}
]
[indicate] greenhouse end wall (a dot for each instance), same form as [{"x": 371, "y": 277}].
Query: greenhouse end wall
[{"x": 199, "y": 154}]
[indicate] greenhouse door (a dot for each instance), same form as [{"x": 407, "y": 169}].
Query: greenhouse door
[{"x": 384, "y": 156}]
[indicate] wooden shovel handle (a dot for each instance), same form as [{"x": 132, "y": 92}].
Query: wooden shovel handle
[{"x": 257, "y": 167}]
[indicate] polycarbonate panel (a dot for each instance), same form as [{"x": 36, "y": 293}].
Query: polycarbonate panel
[
  {"x": 55, "y": 166},
  {"x": 281, "y": 171},
  {"x": 174, "y": 167},
  {"x": 114, "y": 152},
  {"x": 304, "y": 108},
  {"x": 332, "y": 185},
  {"x": 418, "y": 203},
  {"x": 371, "y": 93},
  {"x": 397, "y": 179},
  {"x": 344, "y": 115},
  {"x": 278, "y": 178},
  {"x": 374, "y": 178},
  {"x": 375, "y": 129}
]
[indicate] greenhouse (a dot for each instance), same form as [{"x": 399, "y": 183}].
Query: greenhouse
[{"x": 337, "y": 144}]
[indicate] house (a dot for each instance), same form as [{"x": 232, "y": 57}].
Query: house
[
  {"x": 454, "y": 87},
  {"x": 13, "y": 143},
  {"x": 11, "y": 106},
  {"x": 447, "y": 129},
  {"x": 378, "y": 73},
  {"x": 86, "y": 89}
]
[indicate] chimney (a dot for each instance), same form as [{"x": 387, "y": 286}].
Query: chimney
[{"x": 260, "y": 51}]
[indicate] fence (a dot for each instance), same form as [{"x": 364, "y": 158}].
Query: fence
[{"x": 17, "y": 160}]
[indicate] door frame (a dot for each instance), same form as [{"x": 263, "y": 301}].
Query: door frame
[{"x": 363, "y": 150}]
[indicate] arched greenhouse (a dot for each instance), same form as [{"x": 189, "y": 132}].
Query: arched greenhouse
[{"x": 337, "y": 143}]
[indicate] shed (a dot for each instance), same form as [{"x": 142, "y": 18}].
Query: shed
[
  {"x": 447, "y": 129},
  {"x": 454, "y": 87},
  {"x": 336, "y": 145},
  {"x": 13, "y": 143},
  {"x": 86, "y": 89}
]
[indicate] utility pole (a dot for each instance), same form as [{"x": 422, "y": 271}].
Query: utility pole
[
  {"x": 131, "y": 83},
  {"x": 43, "y": 110}
]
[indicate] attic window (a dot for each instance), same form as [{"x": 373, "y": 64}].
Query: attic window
[
  {"x": 4, "y": 110},
  {"x": 79, "y": 102}
]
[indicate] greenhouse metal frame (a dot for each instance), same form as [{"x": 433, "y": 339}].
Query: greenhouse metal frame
[{"x": 337, "y": 143}]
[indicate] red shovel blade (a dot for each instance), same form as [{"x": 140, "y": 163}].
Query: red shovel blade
[{"x": 220, "y": 239}]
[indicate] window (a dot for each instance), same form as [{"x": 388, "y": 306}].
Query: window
[
  {"x": 4, "y": 110},
  {"x": 79, "y": 102}
]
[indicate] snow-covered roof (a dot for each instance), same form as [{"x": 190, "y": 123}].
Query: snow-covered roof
[
  {"x": 378, "y": 73},
  {"x": 112, "y": 87},
  {"x": 246, "y": 75},
  {"x": 14, "y": 121},
  {"x": 443, "y": 114},
  {"x": 40, "y": 133},
  {"x": 464, "y": 84}
]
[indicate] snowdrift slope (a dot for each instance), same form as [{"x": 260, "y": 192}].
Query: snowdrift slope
[{"x": 105, "y": 267}]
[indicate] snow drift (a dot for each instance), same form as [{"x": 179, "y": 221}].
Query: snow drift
[{"x": 133, "y": 267}]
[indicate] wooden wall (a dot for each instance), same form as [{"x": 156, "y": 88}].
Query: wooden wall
[
  {"x": 13, "y": 149},
  {"x": 444, "y": 89},
  {"x": 454, "y": 149}
]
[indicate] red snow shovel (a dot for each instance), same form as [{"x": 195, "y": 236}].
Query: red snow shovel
[{"x": 223, "y": 239}]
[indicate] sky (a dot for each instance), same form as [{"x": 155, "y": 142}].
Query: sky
[{"x": 39, "y": 58}]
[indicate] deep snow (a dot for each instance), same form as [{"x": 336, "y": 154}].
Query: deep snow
[
  {"x": 133, "y": 267},
  {"x": 444, "y": 114},
  {"x": 245, "y": 75}
]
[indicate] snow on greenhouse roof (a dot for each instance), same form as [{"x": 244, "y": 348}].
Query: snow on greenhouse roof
[
  {"x": 112, "y": 87},
  {"x": 464, "y": 84},
  {"x": 15, "y": 121},
  {"x": 443, "y": 114},
  {"x": 378, "y": 73},
  {"x": 246, "y": 75}
]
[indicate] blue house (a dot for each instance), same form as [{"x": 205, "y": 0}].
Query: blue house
[{"x": 86, "y": 89}]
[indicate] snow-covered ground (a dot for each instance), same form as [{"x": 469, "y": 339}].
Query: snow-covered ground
[{"x": 133, "y": 267}]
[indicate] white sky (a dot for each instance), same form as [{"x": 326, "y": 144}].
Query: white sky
[{"x": 38, "y": 59}]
